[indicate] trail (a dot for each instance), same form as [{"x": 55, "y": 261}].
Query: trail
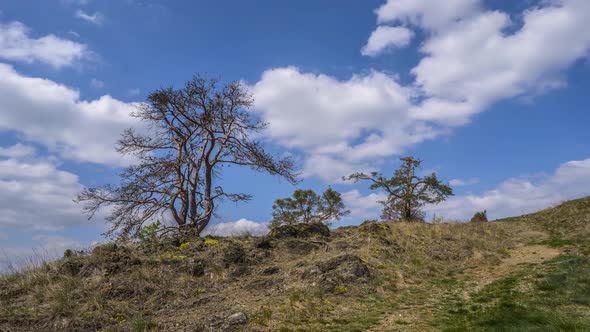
[{"x": 420, "y": 305}]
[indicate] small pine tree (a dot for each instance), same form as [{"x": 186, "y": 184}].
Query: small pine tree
[
  {"x": 406, "y": 192},
  {"x": 306, "y": 206}
]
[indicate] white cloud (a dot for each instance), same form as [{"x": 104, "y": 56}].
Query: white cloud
[
  {"x": 34, "y": 194},
  {"x": 3, "y": 236},
  {"x": 461, "y": 182},
  {"x": 518, "y": 196},
  {"x": 475, "y": 62},
  {"x": 53, "y": 115},
  {"x": 96, "y": 18},
  {"x": 339, "y": 124},
  {"x": 431, "y": 14},
  {"x": 134, "y": 92},
  {"x": 239, "y": 227},
  {"x": 386, "y": 37},
  {"x": 74, "y": 33},
  {"x": 44, "y": 248},
  {"x": 471, "y": 59},
  {"x": 17, "y": 45},
  {"x": 515, "y": 196},
  {"x": 56, "y": 243},
  {"x": 96, "y": 83},
  {"x": 17, "y": 151},
  {"x": 363, "y": 207}
]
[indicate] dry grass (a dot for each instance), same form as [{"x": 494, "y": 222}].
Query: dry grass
[{"x": 352, "y": 280}]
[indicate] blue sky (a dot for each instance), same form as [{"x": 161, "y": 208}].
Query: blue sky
[{"x": 493, "y": 97}]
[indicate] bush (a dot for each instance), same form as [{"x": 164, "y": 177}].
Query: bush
[
  {"x": 481, "y": 216},
  {"x": 68, "y": 253},
  {"x": 300, "y": 231},
  {"x": 308, "y": 207},
  {"x": 149, "y": 233}
]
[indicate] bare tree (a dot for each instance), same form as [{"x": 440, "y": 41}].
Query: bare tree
[
  {"x": 193, "y": 132},
  {"x": 406, "y": 192}
]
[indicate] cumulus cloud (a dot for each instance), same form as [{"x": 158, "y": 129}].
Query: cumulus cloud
[
  {"x": 431, "y": 14},
  {"x": 522, "y": 195},
  {"x": 53, "y": 115},
  {"x": 239, "y": 227},
  {"x": 471, "y": 59},
  {"x": 385, "y": 37},
  {"x": 96, "y": 83},
  {"x": 36, "y": 195},
  {"x": 461, "y": 182},
  {"x": 44, "y": 248},
  {"x": 16, "y": 44},
  {"x": 475, "y": 62},
  {"x": 363, "y": 207},
  {"x": 340, "y": 124},
  {"x": 17, "y": 151},
  {"x": 96, "y": 18},
  {"x": 56, "y": 243},
  {"x": 515, "y": 196}
]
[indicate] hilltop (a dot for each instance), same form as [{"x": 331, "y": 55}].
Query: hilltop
[{"x": 523, "y": 273}]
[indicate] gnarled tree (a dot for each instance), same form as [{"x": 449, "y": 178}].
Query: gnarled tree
[
  {"x": 406, "y": 192},
  {"x": 193, "y": 132}
]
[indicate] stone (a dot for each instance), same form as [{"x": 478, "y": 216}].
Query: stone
[
  {"x": 270, "y": 271},
  {"x": 235, "y": 254},
  {"x": 238, "y": 318},
  {"x": 197, "y": 269},
  {"x": 304, "y": 230}
]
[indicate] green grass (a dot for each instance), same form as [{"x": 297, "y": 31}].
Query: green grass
[
  {"x": 555, "y": 301},
  {"x": 556, "y": 242}
]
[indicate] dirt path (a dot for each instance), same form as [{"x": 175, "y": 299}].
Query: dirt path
[{"x": 416, "y": 309}]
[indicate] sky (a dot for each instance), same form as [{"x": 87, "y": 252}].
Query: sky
[{"x": 492, "y": 95}]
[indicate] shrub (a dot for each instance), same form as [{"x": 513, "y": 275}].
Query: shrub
[
  {"x": 149, "y": 233},
  {"x": 340, "y": 290},
  {"x": 142, "y": 325},
  {"x": 210, "y": 242},
  {"x": 68, "y": 253},
  {"x": 308, "y": 207},
  {"x": 183, "y": 246},
  {"x": 481, "y": 216}
]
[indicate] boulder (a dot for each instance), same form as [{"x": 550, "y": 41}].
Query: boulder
[
  {"x": 300, "y": 231},
  {"x": 234, "y": 254}
]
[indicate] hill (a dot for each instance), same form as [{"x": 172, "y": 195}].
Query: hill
[{"x": 524, "y": 273}]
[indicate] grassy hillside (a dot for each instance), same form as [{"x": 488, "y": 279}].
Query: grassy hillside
[{"x": 524, "y": 273}]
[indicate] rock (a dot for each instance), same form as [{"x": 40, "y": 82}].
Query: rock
[
  {"x": 197, "y": 269},
  {"x": 375, "y": 227},
  {"x": 239, "y": 271},
  {"x": 270, "y": 271},
  {"x": 346, "y": 268},
  {"x": 327, "y": 284},
  {"x": 235, "y": 254},
  {"x": 335, "y": 262},
  {"x": 300, "y": 247},
  {"x": 264, "y": 243},
  {"x": 313, "y": 272},
  {"x": 238, "y": 318},
  {"x": 262, "y": 283},
  {"x": 71, "y": 267},
  {"x": 228, "y": 322},
  {"x": 300, "y": 231}
]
